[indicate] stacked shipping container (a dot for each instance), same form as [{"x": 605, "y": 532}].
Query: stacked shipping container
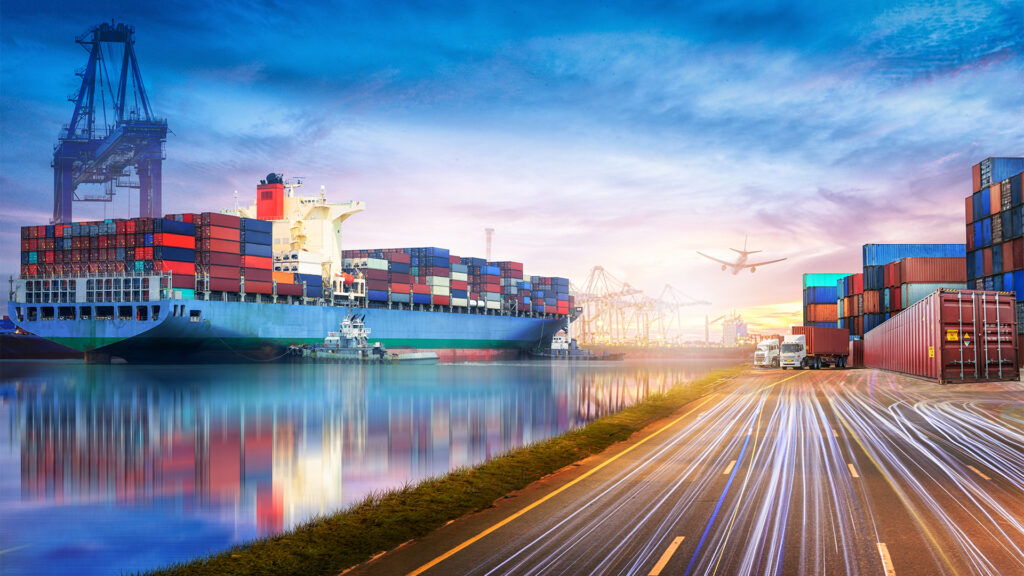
[
  {"x": 820, "y": 300},
  {"x": 995, "y": 238},
  {"x": 433, "y": 276}
]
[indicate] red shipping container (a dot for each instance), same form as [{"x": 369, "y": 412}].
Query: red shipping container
[
  {"x": 221, "y": 233},
  {"x": 970, "y": 238},
  {"x": 986, "y": 262},
  {"x": 441, "y": 300},
  {"x": 370, "y": 274},
  {"x": 225, "y": 285},
  {"x": 995, "y": 197},
  {"x": 976, "y": 177},
  {"x": 258, "y": 274},
  {"x": 950, "y": 336},
  {"x": 400, "y": 257},
  {"x": 219, "y": 259},
  {"x": 224, "y": 220},
  {"x": 1007, "y": 258},
  {"x": 129, "y": 227},
  {"x": 183, "y": 281},
  {"x": 214, "y": 245},
  {"x": 492, "y": 288},
  {"x": 823, "y": 340},
  {"x": 255, "y": 287},
  {"x": 187, "y": 268},
  {"x": 400, "y": 279},
  {"x": 261, "y": 262},
  {"x": 933, "y": 270},
  {"x": 224, "y": 272},
  {"x": 1018, "y": 254},
  {"x": 855, "y": 359},
  {"x": 175, "y": 240},
  {"x": 454, "y": 259},
  {"x": 377, "y": 285},
  {"x": 400, "y": 288},
  {"x": 289, "y": 290},
  {"x": 420, "y": 289},
  {"x": 857, "y": 283},
  {"x": 459, "y": 285}
]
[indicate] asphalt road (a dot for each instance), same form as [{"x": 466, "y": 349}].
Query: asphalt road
[{"x": 778, "y": 472}]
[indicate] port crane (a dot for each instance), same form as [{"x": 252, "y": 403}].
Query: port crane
[
  {"x": 614, "y": 312},
  {"x": 113, "y": 138}
]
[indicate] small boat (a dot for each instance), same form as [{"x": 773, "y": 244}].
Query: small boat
[
  {"x": 351, "y": 344},
  {"x": 565, "y": 348}
]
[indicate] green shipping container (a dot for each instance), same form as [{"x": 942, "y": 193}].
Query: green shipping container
[
  {"x": 186, "y": 294},
  {"x": 822, "y": 279}
]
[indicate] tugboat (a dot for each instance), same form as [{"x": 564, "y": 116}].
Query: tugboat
[
  {"x": 565, "y": 348},
  {"x": 351, "y": 344}
]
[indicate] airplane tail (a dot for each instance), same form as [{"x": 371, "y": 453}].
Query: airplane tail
[{"x": 745, "y": 251}]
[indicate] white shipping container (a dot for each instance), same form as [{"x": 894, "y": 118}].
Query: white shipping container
[
  {"x": 491, "y": 296},
  {"x": 307, "y": 268},
  {"x": 911, "y": 293},
  {"x": 375, "y": 264},
  {"x": 493, "y": 305},
  {"x": 463, "y": 302},
  {"x": 438, "y": 281},
  {"x": 306, "y": 256},
  {"x": 439, "y": 291},
  {"x": 460, "y": 276}
]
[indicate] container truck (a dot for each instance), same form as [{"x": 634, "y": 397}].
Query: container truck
[
  {"x": 815, "y": 347},
  {"x": 766, "y": 355}
]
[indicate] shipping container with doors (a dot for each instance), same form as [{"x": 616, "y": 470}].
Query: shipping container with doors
[{"x": 949, "y": 336}]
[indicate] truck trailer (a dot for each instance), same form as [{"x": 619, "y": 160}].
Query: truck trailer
[{"x": 815, "y": 347}]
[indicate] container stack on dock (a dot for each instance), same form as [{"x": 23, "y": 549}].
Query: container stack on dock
[
  {"x": 884, "y": 285},
  {"x": 850, "y": 294},
  {"x": 821, "y": 300},
  {"x": 995, "y": 232}
]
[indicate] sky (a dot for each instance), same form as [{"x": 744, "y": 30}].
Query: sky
[{"x": 620, "y": 135}]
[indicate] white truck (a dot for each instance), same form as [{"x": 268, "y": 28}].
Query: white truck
[{"x": 766, "y": 355}]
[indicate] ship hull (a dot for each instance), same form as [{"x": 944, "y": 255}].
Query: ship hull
[{"x": 212, "y": 331}]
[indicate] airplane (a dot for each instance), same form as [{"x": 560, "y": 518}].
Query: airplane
[{"x": 741, "y": 261}]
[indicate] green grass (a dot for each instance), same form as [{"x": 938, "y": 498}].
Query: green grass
[{"x": 330, "y": 544}]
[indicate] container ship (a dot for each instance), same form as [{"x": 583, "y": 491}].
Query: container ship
[{"x": 245, "y": 284}]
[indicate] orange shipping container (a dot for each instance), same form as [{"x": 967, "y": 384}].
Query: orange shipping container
[
  {"x": 819, "y": 312},
  {"x": 976, "y": 177},
  {"x": 995, "y": 198},
  {"x": 400, "y": 288},
  {"x": 284, "y": 277},
  {"x": 871, "y": 302}
]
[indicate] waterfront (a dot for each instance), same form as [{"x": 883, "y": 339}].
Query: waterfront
[{"x": 112, "y": 468}]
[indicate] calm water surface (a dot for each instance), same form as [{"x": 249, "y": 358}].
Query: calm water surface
[{"x": 107, "y": 469}]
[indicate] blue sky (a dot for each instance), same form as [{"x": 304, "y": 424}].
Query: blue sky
[{"x": 628, "y": 136}]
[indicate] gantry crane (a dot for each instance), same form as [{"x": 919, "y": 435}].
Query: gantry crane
[
  {"x": 613, "y": 312},
  {"x": 113, "y": 137}
]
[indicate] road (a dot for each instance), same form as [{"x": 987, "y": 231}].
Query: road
[{"x": 777, "y": 472}]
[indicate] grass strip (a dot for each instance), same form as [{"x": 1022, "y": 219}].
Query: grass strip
[{"x": 382, "y": 521}]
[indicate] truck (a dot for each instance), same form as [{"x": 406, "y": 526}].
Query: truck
[
  {"x": 766, "y": 355},
  {"x": 815, "y": 347}
]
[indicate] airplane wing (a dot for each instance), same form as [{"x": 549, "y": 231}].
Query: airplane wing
[
  {"x": 715, "y": 259},
  {"x": 763, "y": 263}
]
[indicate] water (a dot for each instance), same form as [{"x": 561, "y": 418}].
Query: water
[{"x": 107, "y": 469}]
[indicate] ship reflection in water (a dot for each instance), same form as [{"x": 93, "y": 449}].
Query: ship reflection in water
[{"x": 111, "y": 468}]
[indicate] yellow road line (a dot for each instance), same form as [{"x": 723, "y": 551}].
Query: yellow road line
[
  {"x": 978, "y": 472},
  {"x": 666, "y": 556},
  {"x": 883, "y": 551},
  {"x": 568, "y": 485},
  {"x": 853, "y": 471},
  {"x": 728, "y": 468}
]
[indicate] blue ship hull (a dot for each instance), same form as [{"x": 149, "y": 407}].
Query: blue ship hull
[{"x": 204, "y": 331}]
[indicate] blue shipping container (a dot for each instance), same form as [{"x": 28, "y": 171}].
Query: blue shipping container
[
  {"x": 874, "y": 277},
  {"x": 168, "y": 253},
  {"x": 986, "y": 203},
  {"x": 250, "y": 249},
  {"x": 175, "y": 227},
  {"x": 377, "y": 295},
  {"x": 402, "y": 298},
  {"x": 462, "y": 268},
  {"x": 986, "y": 231},
  {"x": 1018, "y": 284},
  {"x": 881, "y": 254},
  {"x": 421, "y": 298},
  {"x": 460, "y": 293},
  {"x": 821, "y": 295},
  {"x": 997, "y": 259},
  {"x": 254, "y": 225},
  {"x": 525, "y": 285},
  {"x": 976, "y": 209},
  {"x": 399, "y": 267},
  {"x": 971, "y": 272},
  {"x": 1002, "y": 168},
  {"x": 254, "y": 237}
]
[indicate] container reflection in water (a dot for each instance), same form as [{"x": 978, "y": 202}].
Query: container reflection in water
[{"x": 121, "y": 468}]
